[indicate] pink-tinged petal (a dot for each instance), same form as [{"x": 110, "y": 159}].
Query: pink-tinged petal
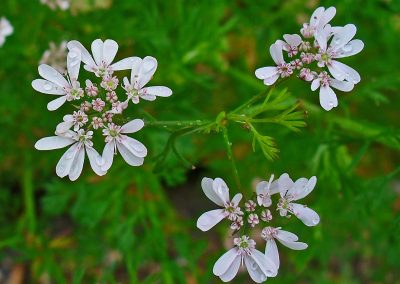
[
  {"x": 95, "y": 161},
  {"x": 134, "y": 146},
  {"x": 284, "y": 184},
  {"x": 129, "y": 156},
  {"x": 74, "y": 63},
  {"x": 207, "y": 186},
  {"x": 209, "y": 219},
  {"x": 53, "y": 142},
  {"x": 232, "y": 270},
  {"x": 108, "y": 155},
  {"x": 293, "y": 39},
  {"x": 315, "y": 84},
  {"x": 308, "y": 216},
  {"x": 343, "y": 36},
  {"x": 276, "y": 53},
  {"x": 353, "y": 47},
  {"x": 266, "y": 72},
  {"x": 97, "y": 51},
  {"x": 86, "y": 57},
  {"x": 77, "y": 164},
  {"x": 147, "y": 70},
  {"x": 342, "y": 72},
  {"x": 316, "y": 16},
  {"x": 225, "y": 261},
  {"x": 64, "y": 165},
  {"x": 327, "y": 98},
  {"x": 125, "y": 64},
  {"x": 236, "y": 199},
  {"x": 271, "y": 252},
  {"x": 52, "y": 75},
  {"x": 55, "y": 104},
  {"x": 221, "y": 189},
  {"x": 47, "y": 87},
  {"x": 327, "y": 16},
  {"x": 271, "y": 80},
  {"x": 343, "y": 86},
  {"x": 159, "y": 91},
  {"x": 297, "y": 188},
  {"x": 132, "y": 126},
  {"x": 64, "y": 126},
  {"x": 110, "y": 49}
]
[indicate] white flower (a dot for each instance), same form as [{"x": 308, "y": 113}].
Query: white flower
[
  {"x": 253, "y": 220},
  {"x": 327, "y": 97},
  {"x": 142, "y": 72},
  {"x": 284, "y": 237},
  {"x": 290, "y": 44},
  {"x": 258, "y": 264},
  {"x": 71, "y": 163},
  {"x": 282, "y": 69},
  {"x": 56, "y": 84},
  {"x": 218, "y": 192},
  {"x": 131, "y": 150},
  {"x": 264, "y": 191},
  {"x": 319, "y": 19},
  {"x": 292, "y": 191},
  {"x": 77, "y": 119},
  {"x": 6, "y": 29},
  {"x": 103, "y": 55},
  {"x": 340, "y": 46}
]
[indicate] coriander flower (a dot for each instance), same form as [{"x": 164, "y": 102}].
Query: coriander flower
[
  {"x": 264, "y": 191},
  {"x": 282, "y": 69},
  {"x": 291, "y": 191},
  {"x": 131, "y": 150},
  {"x": 258, "y": 264},
  {"x": 6, "y": 29},
  {"x": 269, "y": 234},
  {"x": 319, "y": 19},
  {"x": 103, "y": 55},
  {"x": 142, "y": 72},
  {"x": 53, "y": 83},
  {"x": 291, "y": 44},
  {"x": 218, "y": 192},
  {"x": 77, "y": 120},
  {"x": 71, "y": 163}
]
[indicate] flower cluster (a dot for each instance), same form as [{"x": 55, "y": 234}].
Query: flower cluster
[
  {"x": 98, "y": 107},
  {"x": 313, "y": 57},
  {"x": 257, "y": 212},
  {"x": 55, "y": 4},
  {"x": 6, "y": 29}
]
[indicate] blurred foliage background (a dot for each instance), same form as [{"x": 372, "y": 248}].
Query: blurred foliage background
[{"x": 136, "y": 226}]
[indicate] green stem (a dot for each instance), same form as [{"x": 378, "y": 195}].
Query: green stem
[
  {"x": 178, "y": 123},
  {"x": 228, "y": 144},
  {"x": 29, "y": 198}
]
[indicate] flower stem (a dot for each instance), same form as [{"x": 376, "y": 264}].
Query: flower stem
[{"x": 228, "y": 144}]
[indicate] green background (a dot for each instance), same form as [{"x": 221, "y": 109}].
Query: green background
[{"x": 136, "y": 226}]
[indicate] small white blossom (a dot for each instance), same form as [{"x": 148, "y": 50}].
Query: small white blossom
[
  {"x": 98, "y": 104},
  {"x": 291, "y": 44},
  {"x": 218, "y": 192},
  {"x": 307, "y": 75},
  {"x": 258, "y": 265},
  {"x": 109, "y": 83},
  {"x": 77, "y": 120},
  {"x": 6, "y": 29},
  {"x": 266, "y": 215},
  {"x": 237, "y": 224},
  {"x": 269, "y": 234},
  {"x": 91, "y": 90},
  {"x": 264, "y": 191},
  {"x": 253, "y": 220},
  {"x": 250, "y": 206},
  {"x": 319, "y": 19},
  {"x": 97, "y": 122}
]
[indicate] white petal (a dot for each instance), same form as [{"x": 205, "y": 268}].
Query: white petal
[
  {"x": 53, "y": 142},
  {"x": 55, "y": 104},
  {"x": 315, "y": 84},
  {"x": 294, "y": 245},
  {"x": 343, "y": 36},
  {"x": 225, "y": 261},
  {"x": 308, "y": 216},
  {"x": 327, "y": 98},
  {"x": 207, "y": 186},
  {"x": 221, "y": 189},
  {"x": 274, "y": 187},
  {"x": 321, "y": 36},
  {"x": 110, "y": 49},
  {"x": 74, "y": 63},
  {"x": 130, "y": 158},
  {"x": 148, "y": 97},
  {"x": 236, "y": 199},
  {"x": 64, "y": 165},
  {"x": 64, "y": 126},
  {"x": 343, "y": 72},
  {"x": 284, "y": 184},
  {"x": 108, "y": 155},
  {"x": 136, "y": 66},
  {"x": 271, "y": 80},
  {"x": 343, "y": 86},
  {"x": 316, "y": 16},
  {"x": 77, "y": 164},
  {"x": 209, "y": 219},
  {"x": 353, "y": 47},
  {"x": 265, "y": 264},
  {"x": 290, "y": 240},
  {"x": 86, "y": 57},
  {"x": 125, "y": 64},
  {"x": 261, "y": 188},
  {"x": 232, "y": 270},
  {"x": 132, "y": 126},
  {"x": 293, "y": 39},
  {"x": 266, "y": 72},
  {"x": 327, "y": 16},
  {"x": 95, "y": 161},
  {"x": 52, "y": 75},
  {"x": 159, "y": 91},
  {"x": 134, "y": 146},
  {"x": 97, "y": 51},
  {"x": 47, "y": 87},
  {"x": 276, "y": 53},
  {"x": 271, "y": 252},
  {"x": 147, "y": 69}
]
